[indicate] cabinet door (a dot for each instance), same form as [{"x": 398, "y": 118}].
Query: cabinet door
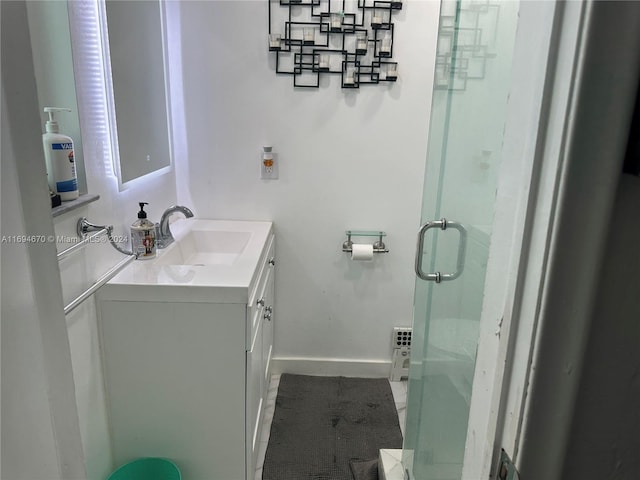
[
  {"x": 254, "y": 401},
  {"x": 174, "y": 383},
  {"x": 258, "y": 300},
  {"x": 267, "y": 330}
]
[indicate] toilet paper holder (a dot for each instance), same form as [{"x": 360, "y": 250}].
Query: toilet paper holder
[{"x": 378, "y": 245}]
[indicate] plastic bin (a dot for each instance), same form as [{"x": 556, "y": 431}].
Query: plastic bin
[{"x": 147, "y": 469}]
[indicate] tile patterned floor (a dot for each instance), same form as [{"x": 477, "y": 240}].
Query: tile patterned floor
[{"x": 399, "y": 390}]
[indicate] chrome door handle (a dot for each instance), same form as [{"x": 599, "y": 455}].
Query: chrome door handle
[{"x": 438, "y": 277}]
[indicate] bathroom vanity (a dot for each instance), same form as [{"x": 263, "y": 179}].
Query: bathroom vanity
[{"x": 187, "y": 340}]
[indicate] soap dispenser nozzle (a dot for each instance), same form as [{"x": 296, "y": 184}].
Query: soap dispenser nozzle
[
  {"x": 142, "y": 213},
  {"x": 52, "y": 125}
]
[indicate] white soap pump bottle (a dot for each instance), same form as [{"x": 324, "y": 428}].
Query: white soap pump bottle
[{"x": 58, "y": 153}]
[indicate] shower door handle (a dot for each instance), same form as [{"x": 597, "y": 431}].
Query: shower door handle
[{"x": 438, "y": 277}]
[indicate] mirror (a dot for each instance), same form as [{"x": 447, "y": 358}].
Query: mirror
[
  {"x": 134, "y": 64},
  {"x": 136, "y": 77},
  {"x": 53, "y": 68}
]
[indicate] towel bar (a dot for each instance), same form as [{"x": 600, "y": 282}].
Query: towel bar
[
  {"x": 82, "y": 243},
  {"x": 83, "y": 227},
  {"x": 99, "y": 283}
]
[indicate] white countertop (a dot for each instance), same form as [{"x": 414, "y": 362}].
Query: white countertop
[{"x": 153, "y": 280}]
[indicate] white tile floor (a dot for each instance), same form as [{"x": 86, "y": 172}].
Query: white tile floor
[
  {"x": 399, "y": 390},
  {"x": 390, "y": 466}
]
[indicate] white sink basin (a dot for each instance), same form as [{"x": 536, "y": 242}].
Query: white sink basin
[
  {"x": 210, "y": 260},
  {"x": 206, "y": 247}
]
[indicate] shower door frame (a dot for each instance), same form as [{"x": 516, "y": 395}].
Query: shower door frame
[
  {"x": 531, "y": 86},
  {"x": 583, "y": 138},
  {"x": 524, "y": 353},
  {"x": 522, "y": 225}
]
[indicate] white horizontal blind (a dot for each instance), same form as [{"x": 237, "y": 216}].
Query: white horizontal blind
[{"x": 93, "y": 87}]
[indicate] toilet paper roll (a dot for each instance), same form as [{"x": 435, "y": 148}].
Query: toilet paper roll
[{"x": 362, "y": 252}]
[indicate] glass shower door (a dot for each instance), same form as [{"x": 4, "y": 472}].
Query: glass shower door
[{"x": 471, "y": 87}]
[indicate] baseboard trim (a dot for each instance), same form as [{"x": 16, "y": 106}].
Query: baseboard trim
[{"x": 331, "y": 367}]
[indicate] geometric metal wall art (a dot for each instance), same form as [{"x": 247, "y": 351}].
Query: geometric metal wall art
[{"x": 311, "y": 38}]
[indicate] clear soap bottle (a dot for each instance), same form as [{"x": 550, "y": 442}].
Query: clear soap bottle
[{"x": 143, "y": 235}]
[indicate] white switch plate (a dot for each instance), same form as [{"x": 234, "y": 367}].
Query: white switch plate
[{"x": 269, "y": 172}]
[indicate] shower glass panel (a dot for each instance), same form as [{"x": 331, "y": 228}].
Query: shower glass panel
[{"x": 471, "y": 87}]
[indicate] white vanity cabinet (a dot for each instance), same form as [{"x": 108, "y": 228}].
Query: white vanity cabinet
[{"x": 186, "y": 378}]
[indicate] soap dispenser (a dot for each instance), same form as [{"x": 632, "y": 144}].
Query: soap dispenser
[
  {"x": 143, "y": 235},
  {"x": 58, "y": 153}
]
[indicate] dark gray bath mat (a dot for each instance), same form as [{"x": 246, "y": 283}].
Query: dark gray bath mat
[{"x": 321, "y": 424}]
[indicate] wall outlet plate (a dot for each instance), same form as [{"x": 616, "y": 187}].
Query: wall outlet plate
[{"x": 269, "y": 167}]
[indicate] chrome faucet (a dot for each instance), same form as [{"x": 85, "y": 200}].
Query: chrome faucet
[{"x": 164, "y": 238}]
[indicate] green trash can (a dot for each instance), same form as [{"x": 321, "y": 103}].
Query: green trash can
[{"x": 147, "y": 469}]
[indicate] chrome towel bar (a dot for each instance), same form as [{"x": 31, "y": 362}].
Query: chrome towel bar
[
  {"x": 82, "y": 243},
  {"x": 99, "y": 283},
  {"x": 83, "y": 227}
]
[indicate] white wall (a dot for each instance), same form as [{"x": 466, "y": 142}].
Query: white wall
[
  {"x": 604, "y": 441},
  {"x": 26, "y": 426},
  {"x": 40, "y": 433},
  {"x": 348, "y": 160}
]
